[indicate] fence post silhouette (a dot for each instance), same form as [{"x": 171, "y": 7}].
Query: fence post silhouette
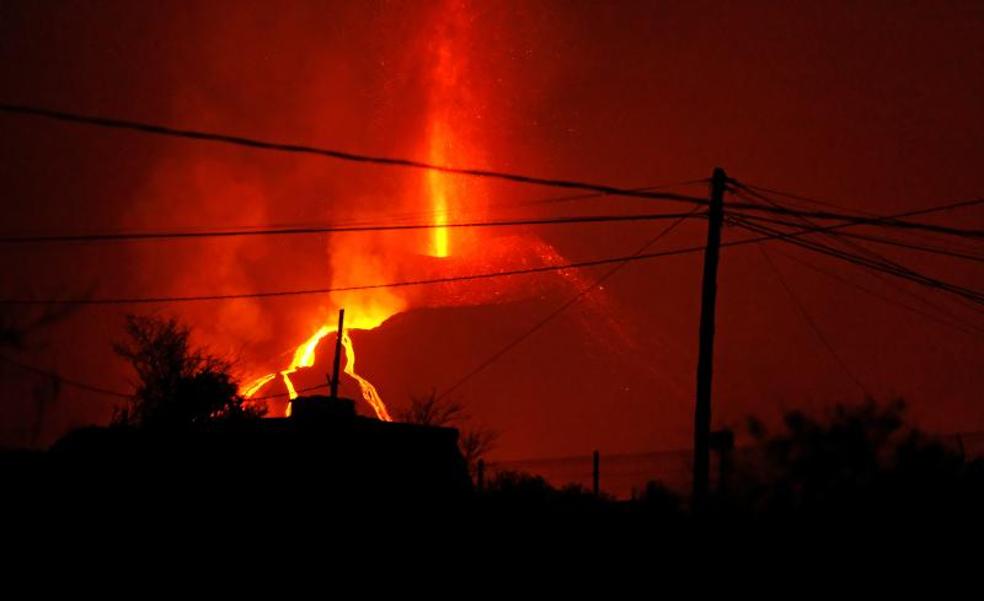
[
  {"x": 705, "y": 353},
  {"x": 595, "y": 475}
]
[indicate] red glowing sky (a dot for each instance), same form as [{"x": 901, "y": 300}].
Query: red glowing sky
[{"x": 873, "y": 106}]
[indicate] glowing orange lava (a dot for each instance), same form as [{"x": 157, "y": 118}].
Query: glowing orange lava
[
  {"x": 447, "y": 136},
  {"x": 439, "y": 187},
  {"x": 257, "y": 384},
  {"x": 447, "y": 113},
  {"x": 368, "y": 390},
  {"x": 304, "y": 356}
]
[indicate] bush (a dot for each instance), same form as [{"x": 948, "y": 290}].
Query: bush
[{"x": 177, "y": 385}]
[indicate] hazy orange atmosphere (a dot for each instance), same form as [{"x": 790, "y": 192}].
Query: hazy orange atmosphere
[{"x": 873, "y": 106}]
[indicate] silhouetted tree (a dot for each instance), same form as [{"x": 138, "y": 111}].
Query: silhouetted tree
[
  {"x": 513, "y": 490},
  {"x": 656, "y": 497},
  {"x": 860, "y": 462},
  {"x": 177, "y": 385},
  {"x": 431, "y": 410},
  {"x": 514, "y": 494},
  {"x": 475, "y": 444}
]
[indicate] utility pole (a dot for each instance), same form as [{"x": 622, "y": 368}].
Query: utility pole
[
  {"x": 705, "y": 353},
  {"x": 338, "y": 354}
]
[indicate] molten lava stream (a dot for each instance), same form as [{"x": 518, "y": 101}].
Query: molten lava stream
[
  {"x": 450, "y": 125},
  {"x": 368, "y": 390},
  {"x": 304, "y": 356}
]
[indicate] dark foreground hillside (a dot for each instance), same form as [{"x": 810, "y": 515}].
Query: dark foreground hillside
[{"x": 860, "y": 469}]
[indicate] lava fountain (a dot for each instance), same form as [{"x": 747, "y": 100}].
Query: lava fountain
[
  {"x": 366, "y": 310},
  {"x": 449, "y": 123},
  {"x": 451, "y": 137}
]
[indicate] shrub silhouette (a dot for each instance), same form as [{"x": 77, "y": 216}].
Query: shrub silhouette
[
  {"x": 177, "y": 385},
  {"x": 430, "y": 410},
  {"x": 861, "y": 463}
]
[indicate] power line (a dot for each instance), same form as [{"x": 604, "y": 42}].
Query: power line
[
  {"x": 277, "y": 395},
  {"x": 773, "y": 235},
  {"x": 621, "y": 261},
  {"x": 588, "y": 196},
  {"x": 347, "y": 226},
  {"x": 893, "y": 222},
  {"x": 817, "y": 332},
  {"x": 317, "y": 291},
  {"x": 543, "y": 201},
  {"x": 852, "y": 246},
  {"x": 765, "y": 190},
  {"x": 880, "y": 263},
  {"x": 556, "y": 312},
  {"x": 969, "y": 329},
  {"x": 881, "y": 240},
  {"x": 604, "y": 189},
  {"x": 815, "y": 201},
  {"x": 804, "y": 314},
  {"x": 800, "y": 197},
  {"x": 399, "y": 217},
  {"x": 63, "y": 380},
  {"x": 793, "y": 196},
  {"x": 901, "y": 272},
  {"x": 331, "y": 229},
  {"x": 911, "y": 246},
  {"x": 257, "y": 231},
  {"x": 114, "y": 393},
  {"x": 406, "y": 215},
  {"x": 398, "y": 284},
  {"x": 163, "y": 130},
  {"x": 549, "y": 200},
  {"x": 972, "y": 295},
  {"x": 839, "y": 238}
]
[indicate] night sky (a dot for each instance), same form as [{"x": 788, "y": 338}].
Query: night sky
[{"x": 874, "y": 106}]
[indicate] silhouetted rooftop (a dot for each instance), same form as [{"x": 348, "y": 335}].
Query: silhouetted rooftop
[{"x": 323, "y": 455}]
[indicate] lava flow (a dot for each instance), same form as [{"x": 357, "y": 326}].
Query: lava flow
[
  {"x": 304, "y": 356},
  {"x": 446, "y": 116},
  {"x": 451, "y": 137}
]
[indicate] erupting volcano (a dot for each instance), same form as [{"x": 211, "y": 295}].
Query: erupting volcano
[
  {"x": 510, "y": 202},
  {"x": 451, "y": 136},
  {"x": 448, "y": 113}
]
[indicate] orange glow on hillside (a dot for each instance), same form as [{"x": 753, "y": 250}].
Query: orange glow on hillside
[
  {"x": 368, "y": 317},
  {"x": 447, "y": 142}
]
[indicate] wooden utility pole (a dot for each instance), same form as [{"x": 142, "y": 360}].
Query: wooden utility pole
[
  {"x": 338, "y": 354},
  {"x": 705, "y": 353}
]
